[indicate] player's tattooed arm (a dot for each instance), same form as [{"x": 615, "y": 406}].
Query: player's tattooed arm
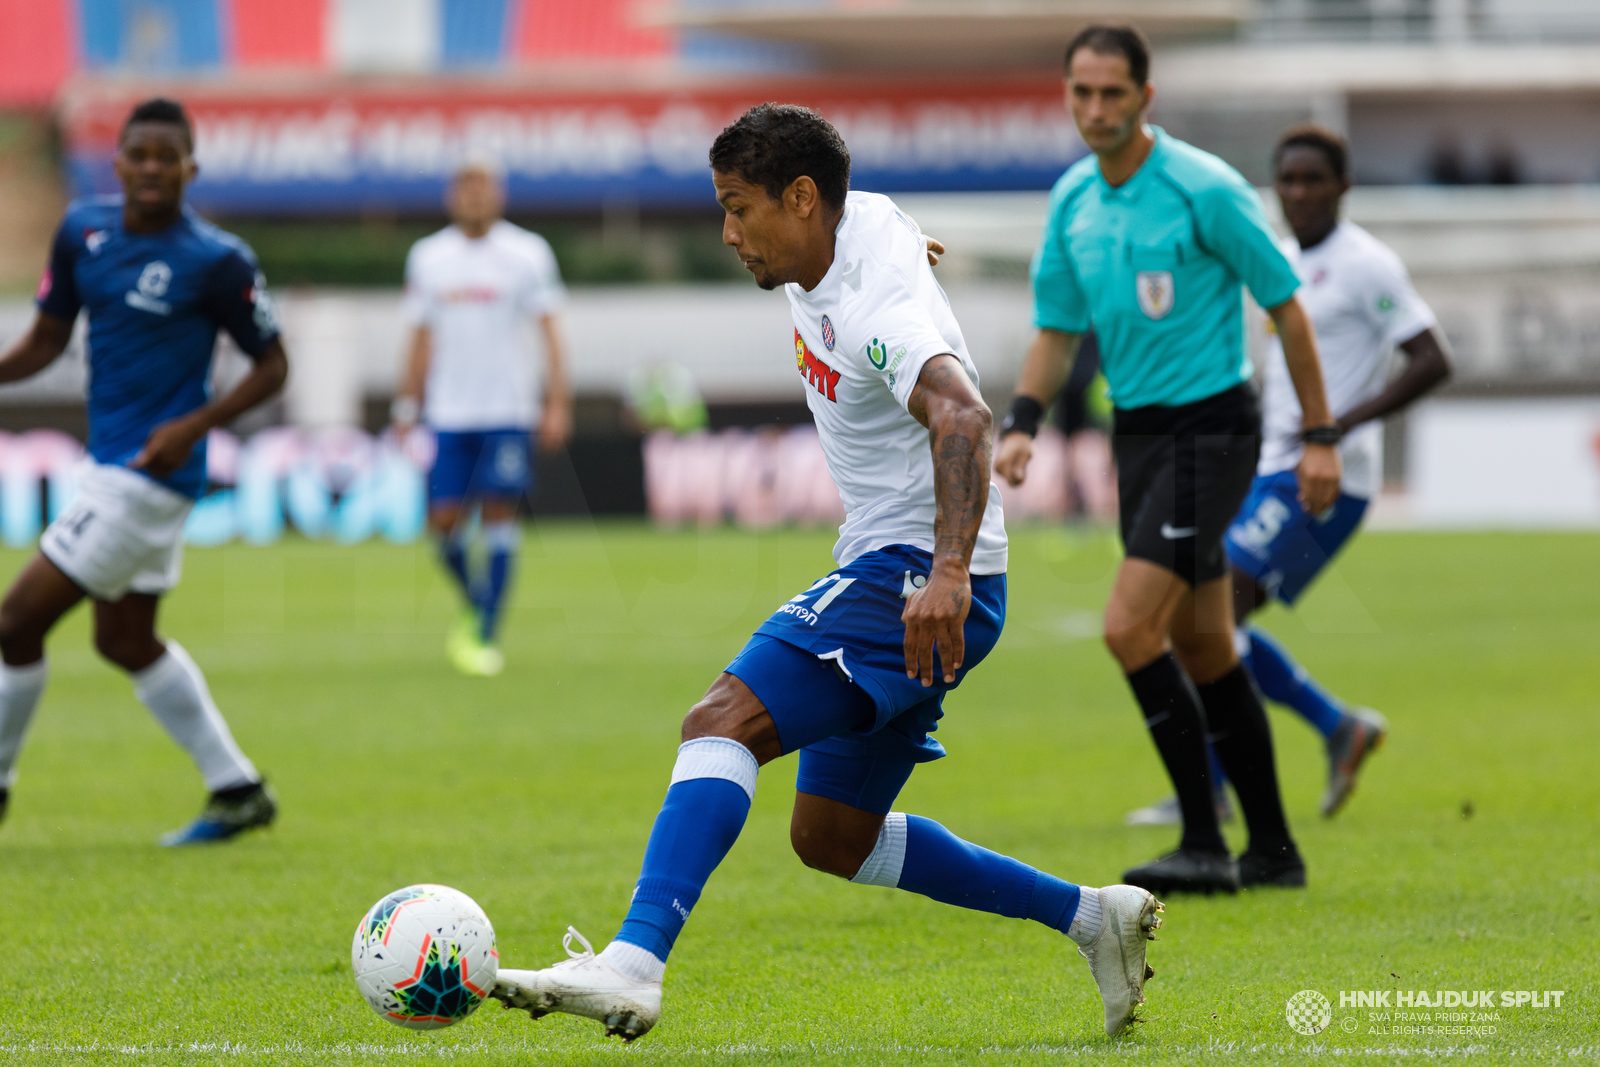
[
  {"x": 960, "y": 434},
  {"x": 35, "y": 350},
  {"x": 169, "y": 444}
]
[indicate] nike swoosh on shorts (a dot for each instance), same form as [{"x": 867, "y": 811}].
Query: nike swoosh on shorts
[{"x": 1173, "y": 535}]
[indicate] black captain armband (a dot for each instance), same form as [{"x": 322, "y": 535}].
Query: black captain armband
[
  {"x": 1329, "y": 434},
  {"x": 1023, "y": 417}
]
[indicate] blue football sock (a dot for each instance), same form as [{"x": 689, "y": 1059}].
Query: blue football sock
[
  {"x": 713, "y": 783},
  {"x": 1284, "y": 681},
  {"x": 453, "y": 554},
  {"x": 503, "y": 539},
  {"x": 940, "y": 865}
]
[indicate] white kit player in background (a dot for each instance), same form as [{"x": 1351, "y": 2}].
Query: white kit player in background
[
  {"x": 1363, "y": 307},
  {"x": 473, "y": 292}
]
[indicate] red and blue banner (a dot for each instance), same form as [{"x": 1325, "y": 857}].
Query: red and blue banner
[{"x": 357, "y": 147}]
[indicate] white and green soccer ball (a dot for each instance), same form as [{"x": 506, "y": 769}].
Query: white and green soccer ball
[{"x": 425, "y": 957}]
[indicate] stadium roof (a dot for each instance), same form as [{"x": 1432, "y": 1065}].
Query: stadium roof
[
  {"x": 942, "y": 33},
  {"x": 1255, "y": 69}
]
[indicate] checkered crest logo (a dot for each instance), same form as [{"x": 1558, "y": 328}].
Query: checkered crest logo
[{"x": 1308, "y": 1012}]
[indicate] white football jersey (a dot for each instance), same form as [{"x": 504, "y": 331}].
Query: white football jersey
[
  {"x": 860, "y": 340},
  {"x": 477, "y": 298},
  {"x": 1362, "y": 304}
]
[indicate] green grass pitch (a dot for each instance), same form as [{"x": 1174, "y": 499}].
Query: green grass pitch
[{"x": 1467, "y": 861}]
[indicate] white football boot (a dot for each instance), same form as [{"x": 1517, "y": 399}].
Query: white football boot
[
  {"x": 1116, "y": 957},
  {"x": 585, "y": 985}
]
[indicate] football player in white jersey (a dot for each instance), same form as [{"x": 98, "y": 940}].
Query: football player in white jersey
[
  {"x": 852, "y": 671},
  {"x": 1363, "y": 306},
  {"x": 472, "y": 290}
]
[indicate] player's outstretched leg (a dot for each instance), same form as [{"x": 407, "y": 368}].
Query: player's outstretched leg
[
  {"x": 20, "y": 689},
  {"x": 37, "y": 599},
  {"x": 1349, "y": 734},
  {"x": 168, "y": 682},
  {"x": 1110, "y": 926},
  {"x": 713, "y": 783}
]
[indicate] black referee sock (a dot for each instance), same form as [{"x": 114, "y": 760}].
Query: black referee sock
[
  {"x": 1172, "y": 713},
  {"x": 1243, "y": 743}
]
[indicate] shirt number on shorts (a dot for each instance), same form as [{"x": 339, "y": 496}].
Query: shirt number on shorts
[{"x": 809, "y": 615}]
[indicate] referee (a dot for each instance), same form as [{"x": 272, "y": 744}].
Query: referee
[{"x": 1148, "y": 242}]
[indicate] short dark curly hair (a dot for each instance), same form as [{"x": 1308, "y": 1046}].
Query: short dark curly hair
[
  {"x": 163, "y": 110},
  {"x": 773, "y": 144},
  {"x": 1333, "y": 147}
]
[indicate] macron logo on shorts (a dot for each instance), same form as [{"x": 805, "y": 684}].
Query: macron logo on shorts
[{"x": 1172, "y": 534}]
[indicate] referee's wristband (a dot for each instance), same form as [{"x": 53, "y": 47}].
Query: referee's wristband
[
  {"x": 1328, "y": 434},
  {"x": 1023, "y": 417}
]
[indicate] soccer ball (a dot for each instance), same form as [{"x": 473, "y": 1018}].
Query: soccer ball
[{"x": 424, "y": 957}]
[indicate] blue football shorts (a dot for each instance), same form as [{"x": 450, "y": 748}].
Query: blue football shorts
[
  {"x": 1278, "y": 543},
  {"x": 472, "y": 464},
  {"x": 829, "y": 666}
]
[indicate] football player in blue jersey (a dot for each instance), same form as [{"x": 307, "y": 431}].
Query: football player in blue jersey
[{"x": 157, "y": 283}]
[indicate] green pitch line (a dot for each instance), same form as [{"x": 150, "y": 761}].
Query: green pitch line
[{"x": 534, "y": 793}]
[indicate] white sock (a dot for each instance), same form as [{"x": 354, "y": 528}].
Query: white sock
[
  {"x": 634, "y": 962},
  {"x": 888, "y": 856},
  {"x": 175, "y": 692},
  {"x": 20, "y": 688},
  {"x": 1085, "y": 926}
]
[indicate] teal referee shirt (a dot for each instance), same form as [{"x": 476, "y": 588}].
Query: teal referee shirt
[{"x": 1155, "y": 266}]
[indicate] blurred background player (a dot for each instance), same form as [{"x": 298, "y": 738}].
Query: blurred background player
[
  {"x": 1150, "y": 242},
  {"x": 1083, "y": 415},
  {"x": 1363, "y": 305},
  {"x": 845, "y": 671},
  {"x": 157, "y": 283},
  {"x": 472, "y": 290}
]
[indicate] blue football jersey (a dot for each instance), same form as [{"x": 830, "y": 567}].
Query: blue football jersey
[{"x": 155, "y": 303}]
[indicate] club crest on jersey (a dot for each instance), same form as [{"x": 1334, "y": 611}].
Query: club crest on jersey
[
  {"x": 822, "y": 377},
  {"x": 151, "y": 287},
  {"x": 1155, "y": 292},
  {"x": 827, "y": 333}
]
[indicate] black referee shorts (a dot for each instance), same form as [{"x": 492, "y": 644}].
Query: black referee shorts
[{"x": 1182, "y": 473}]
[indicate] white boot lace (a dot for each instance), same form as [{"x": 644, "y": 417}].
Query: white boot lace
[{"x": 575, "y": 957}]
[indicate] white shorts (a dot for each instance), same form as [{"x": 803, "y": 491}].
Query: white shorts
[{"x": 123, "y": 532}]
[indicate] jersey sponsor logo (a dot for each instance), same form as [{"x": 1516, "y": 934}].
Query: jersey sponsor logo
[
  {"x": 151, "y": 287},
  {"x": 814, "y": 370},
  {"x": 1385, "y": 303},
  {"x": 1155, "y": 291},
  {"x": 878, "y": 353},
  {"x": 470, "y": 294},
  {"x": 827, "y": 333}
]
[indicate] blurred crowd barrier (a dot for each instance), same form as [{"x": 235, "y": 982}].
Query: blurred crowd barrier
[
  {"x": 340, "y": 484},
  {"x": 764, "y": 478}
]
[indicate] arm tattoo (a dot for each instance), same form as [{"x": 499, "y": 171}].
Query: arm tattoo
[{"x": 961, "y": 462}]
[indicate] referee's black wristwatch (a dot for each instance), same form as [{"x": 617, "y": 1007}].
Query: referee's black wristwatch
[
  {"x": 1326, "y": 434},
  {"x": 1023, "y": 417}
]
